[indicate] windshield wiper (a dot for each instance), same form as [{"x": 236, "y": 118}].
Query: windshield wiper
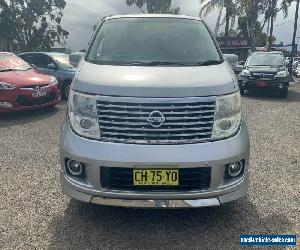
[
  {"x": 156, "y": 63},
  {"x": 8, "y": 70},
  {"x": 210, "y": 62},
  {"x": 162, "y": 63},
  {"x": 166, "y": 63}
]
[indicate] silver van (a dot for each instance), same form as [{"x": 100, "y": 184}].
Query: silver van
[{"x": 154, "y": 118}]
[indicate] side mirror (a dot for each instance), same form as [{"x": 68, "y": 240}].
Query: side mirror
[
  {"x": 51, "y": 66},
  {"x": 242, "y": 63},
  {"x": 75, "y": 58},
  {"x": 33, "y": 66},
  {"x": 231, "y": 58}
]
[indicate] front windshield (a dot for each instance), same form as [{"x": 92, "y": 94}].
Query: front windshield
[
  {"x": 264, "y": 59},
  {"x": 153, "y": 40},
  {"x": 63, "y": 61},
  {"x": 10, "y": 62}
]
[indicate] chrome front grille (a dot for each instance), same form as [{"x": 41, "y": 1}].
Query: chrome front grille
[
  {"x": 156, "y": 120},
  {"x": 263, "y": 75}
]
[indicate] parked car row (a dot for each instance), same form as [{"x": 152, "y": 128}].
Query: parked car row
[
  {"x": 296, "y": 68},
  {"x": 54, "y": 64},
  {"x": 33, "y": 80}
]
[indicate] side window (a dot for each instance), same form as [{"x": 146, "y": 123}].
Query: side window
[
  {"x": 29, "y": 59},
  {"x": 41, "y": 61},
  {"x": 99, "y": 48},
  {"x": 23, "y": 57}
]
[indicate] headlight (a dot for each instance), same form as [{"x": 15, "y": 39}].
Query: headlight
[
  {"x": 281, "y": 74},
  {"x": 83, "y": 115},
  {"x": 228, "y": 116},
  {"x": 7, "y": 86},
  {"x": 54, "y": 81},
  {"x": 246, "y": 72}
]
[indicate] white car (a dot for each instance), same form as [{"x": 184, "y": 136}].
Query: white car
[{"x": 297, "y": 72}]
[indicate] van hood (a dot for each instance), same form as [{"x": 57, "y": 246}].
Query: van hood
[{"x": 160, "y": 81}]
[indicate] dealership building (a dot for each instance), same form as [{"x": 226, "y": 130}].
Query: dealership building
[{"x": 235, "y": 45}]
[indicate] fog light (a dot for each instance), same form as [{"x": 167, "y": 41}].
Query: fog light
[
  {"x": 86, "y": 123},
  {"x": 225, "y": 124},
  {"x": 6, "y": 105},
  {"x": 75, "y": 168},
  {"x": 235, "y": 169}
]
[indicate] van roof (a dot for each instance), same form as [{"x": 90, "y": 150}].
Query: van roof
[
  {"x": 5, "y": 53},
  {"x": 152, "y": 16}
]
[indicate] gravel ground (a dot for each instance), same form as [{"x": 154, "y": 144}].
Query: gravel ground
[{"x": 35, "y": 215}]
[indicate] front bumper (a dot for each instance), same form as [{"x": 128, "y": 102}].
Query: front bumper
[
  {"x": 11, "y": 98},
  {"x": 213, "y": 154},
  {"x": 246, "y": 83}
]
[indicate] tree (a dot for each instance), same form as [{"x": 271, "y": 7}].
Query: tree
[
  {"x": 230, "y": 14},
  {"x": 34, "y": 24},
  {"x": 273, "y": 7},
  {"x": 249, "y": 11},
  {"x": 6, "y": 27},
  {"x": 243, "y": 31},
  {"x": 232, "y": 33},
  {"x": 155, "y": 6}
]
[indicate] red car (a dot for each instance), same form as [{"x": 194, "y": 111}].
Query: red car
[{"x": 22, "y": 87}]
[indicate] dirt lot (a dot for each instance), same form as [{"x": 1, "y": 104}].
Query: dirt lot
[{"x": 35, "y": 215}]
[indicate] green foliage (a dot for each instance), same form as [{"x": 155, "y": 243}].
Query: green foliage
[
  {"x": 155, "y": 6},
  {"x": 267, "y": 8},
  {"x": 248, "y": 12},
  {"x": 34, "y": 24},
  {"x": 275, "y": 6},
  {"x": 243, "y": 31},
  {"x": 231, "y": 12}
]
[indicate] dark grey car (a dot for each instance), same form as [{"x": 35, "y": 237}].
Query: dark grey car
[
  {"x": 54, "y": 64},
  {"x": 265, "y": 70}
]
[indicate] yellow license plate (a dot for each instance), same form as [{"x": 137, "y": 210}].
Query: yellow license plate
[{"x": 155, "y": 177}]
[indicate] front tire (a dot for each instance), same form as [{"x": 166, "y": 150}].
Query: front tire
[
  {"x": 51, "y": 108},
  {"x": 284, "y": 93},
  {"x": 242, "y": 90}
]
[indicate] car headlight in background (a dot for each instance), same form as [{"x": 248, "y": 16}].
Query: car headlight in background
[
  {"x": 83, "y": 117},
  {"x": 246, "y": 72},
  {"x": 7, "y": 86},
  {"x": 228, "y": 116},
  {"x": 281, "y": 74},
  {"x": 54, "y": 81}
]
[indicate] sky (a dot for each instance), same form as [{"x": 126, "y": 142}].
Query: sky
[{"x": 80, "y": 17}]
